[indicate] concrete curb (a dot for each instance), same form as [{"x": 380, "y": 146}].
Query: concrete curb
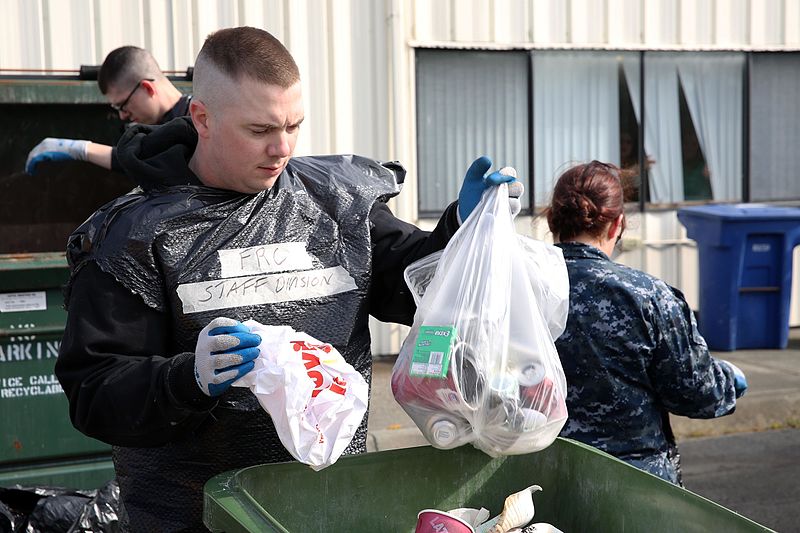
[{"x": 390, "y": 439}]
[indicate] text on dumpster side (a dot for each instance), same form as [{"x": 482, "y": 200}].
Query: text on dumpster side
[
  {"x": 25, "y": 386},
  {"x": 28, "y": 351}
]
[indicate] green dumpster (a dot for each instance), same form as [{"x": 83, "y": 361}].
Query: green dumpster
[
  {"x": 584, "y": 490},
  {"x": 39, "y": 446}
]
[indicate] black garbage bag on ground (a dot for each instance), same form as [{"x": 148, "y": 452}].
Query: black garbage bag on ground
[
  {"x": 59, "y": 510},
  {"x": 10, "y": 521},
  {"x": 23, "y": 502},
  {"x": 102, "y": 513},
  {"x": 57, "y": 513}
]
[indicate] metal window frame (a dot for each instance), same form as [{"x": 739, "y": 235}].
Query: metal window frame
[{"x": 643, "y": 204}]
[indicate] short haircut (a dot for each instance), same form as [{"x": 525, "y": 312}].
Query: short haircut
[
  {"x": 243, "y": 52},
  {"x": 126, "y": 66}
]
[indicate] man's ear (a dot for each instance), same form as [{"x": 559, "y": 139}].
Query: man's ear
[
  {"x": 149, "y": 86},
  {"x": 200, "y": 117}
]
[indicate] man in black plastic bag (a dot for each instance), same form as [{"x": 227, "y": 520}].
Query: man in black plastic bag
[{"x": 162, "y": 280}]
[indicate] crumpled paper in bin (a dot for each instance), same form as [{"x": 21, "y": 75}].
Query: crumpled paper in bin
[{"x": 315, "y": 398}]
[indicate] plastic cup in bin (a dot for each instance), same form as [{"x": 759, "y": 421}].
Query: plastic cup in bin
[{"x": 435, "y": 521}]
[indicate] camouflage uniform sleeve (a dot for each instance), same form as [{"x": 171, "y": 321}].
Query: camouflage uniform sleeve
[{"x": 688, "y": 380}]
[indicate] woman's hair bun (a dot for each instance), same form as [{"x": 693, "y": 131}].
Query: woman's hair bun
[{"x": 586, "y": 198}]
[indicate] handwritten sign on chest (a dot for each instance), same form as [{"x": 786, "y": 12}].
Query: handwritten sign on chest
[
  {"x": 265, "y": 258},
  {"x": 263, "y": 289}
]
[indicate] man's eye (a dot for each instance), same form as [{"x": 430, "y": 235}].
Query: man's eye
[
  {"x": 258, "y": 132},
  {"x": 292, "y": 129}
]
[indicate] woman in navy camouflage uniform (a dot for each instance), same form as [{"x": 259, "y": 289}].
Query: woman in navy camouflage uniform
[{"x": 631, "y": 350}]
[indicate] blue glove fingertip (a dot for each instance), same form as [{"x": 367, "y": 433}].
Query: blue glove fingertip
[
  {"x": 478, "y": 168},
  {"x": 246, "y": 339},
  {"x": 30, "y": 168},
  {"x": 472, "y": 187},
  {"x": 244, "y": 368},
  {"x": 739, "y": 379},
  {"x": 248, "y": 354},
  {"x": 496, "y": 178},
  {"x": 217, "y": 389}
]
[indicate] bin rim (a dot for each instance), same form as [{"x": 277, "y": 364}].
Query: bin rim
[{"x": 223, "y": 493}]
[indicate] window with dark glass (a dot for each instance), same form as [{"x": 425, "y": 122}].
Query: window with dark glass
[
  {"x": 680, "y": 137},
  {"x": 696, "y": 175}
]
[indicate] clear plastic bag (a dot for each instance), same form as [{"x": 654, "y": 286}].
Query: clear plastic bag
[{"x": 479, "y": 364}]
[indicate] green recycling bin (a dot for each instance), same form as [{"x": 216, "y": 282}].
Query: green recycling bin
[
  {"x": 583, "y": 490},
  {"x": 38, "y": 445}
]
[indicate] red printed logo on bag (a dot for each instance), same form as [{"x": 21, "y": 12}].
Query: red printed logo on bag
[
  {"x": 302, "y": 345},
  {"x": 318, "y": 374}
]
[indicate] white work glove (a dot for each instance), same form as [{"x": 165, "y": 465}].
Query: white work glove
[
  {"x": 224, "y": 353},
  {"x": 515, "y": 190},
  {"x": 739, "y": 379},
  {"x": 53, "y": 149}
]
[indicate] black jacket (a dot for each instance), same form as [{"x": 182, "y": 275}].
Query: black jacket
[{"x": 180, "y": 109}]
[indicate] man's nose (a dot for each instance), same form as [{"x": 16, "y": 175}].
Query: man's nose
[
  {"x": 280, "y": 146},
  {"x": 124, "y": 115}
]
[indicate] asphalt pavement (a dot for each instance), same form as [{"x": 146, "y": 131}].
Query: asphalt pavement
[
  {"x": 755, "y": 474},
  {"x": 748, "y": 461}
]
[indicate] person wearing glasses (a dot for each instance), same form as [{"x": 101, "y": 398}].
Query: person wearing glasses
[
  {"x": 631, "y": 351},
  {"x": 134, "y": 85}
]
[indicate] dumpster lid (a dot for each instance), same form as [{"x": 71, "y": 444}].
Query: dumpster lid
[{"x": 742, "y": 212}]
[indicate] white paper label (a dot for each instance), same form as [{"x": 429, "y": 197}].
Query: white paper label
[
  {"x": 264, "y": 289},
  {"x": 263, "y": 259},
  {"x": 14, "y": 302}
]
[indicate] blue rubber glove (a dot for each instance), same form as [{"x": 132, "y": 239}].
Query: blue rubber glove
[
  {"x": 739, "y": 379},
  {"x": 225, "y": 351},
  {"x": 476, "y": 181},
  {"x": 52, "y": 149}
]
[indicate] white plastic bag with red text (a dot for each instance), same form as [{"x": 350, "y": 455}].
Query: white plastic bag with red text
[
  {"x": 479, "y": 365},
  {"x": 315, "y": 398}
]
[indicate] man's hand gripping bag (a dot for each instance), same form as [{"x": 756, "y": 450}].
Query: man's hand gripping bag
[{"x": 479, "y": 364}]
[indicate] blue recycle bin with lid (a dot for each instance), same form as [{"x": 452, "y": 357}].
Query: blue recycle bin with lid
[{"x": 745, "y": 256}]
